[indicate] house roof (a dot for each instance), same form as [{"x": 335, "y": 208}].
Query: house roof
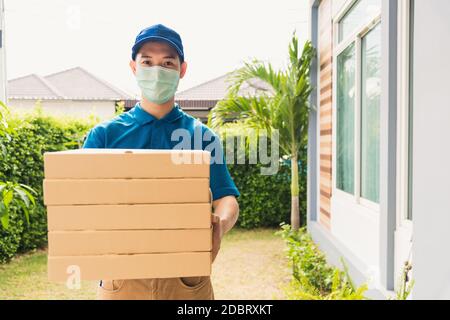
[
  {"x": 71, "y": 84},
  {"x": 33, "y": 86},
  {"x": 217, "y": 88}
]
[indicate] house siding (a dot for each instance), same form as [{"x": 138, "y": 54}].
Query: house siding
[{"x": 325, "y": 57}]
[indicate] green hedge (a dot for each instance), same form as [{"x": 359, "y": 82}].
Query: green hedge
[
  {"x": 312, "y": 277},
  {"x": 264, "y": 202},
  {"x": 33, "y": 135}
]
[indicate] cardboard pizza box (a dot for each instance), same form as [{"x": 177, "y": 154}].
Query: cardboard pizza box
[
  {"x": 131, "y": 266},
  {"x": 125, "y": 191},
  {"x": 85, "y": 243},
  {"x": 129, "y": 216},
  {"x": 121, "y": 214},
  {"x": 126, "y": 163}
]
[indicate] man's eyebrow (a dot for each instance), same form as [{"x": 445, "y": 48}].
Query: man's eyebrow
[{"x": 170, "y": 56}]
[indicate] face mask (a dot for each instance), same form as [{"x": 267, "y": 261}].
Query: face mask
[{"x": 158, "y": 84}]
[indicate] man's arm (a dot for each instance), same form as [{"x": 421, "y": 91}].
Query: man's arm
[
  {"x": 226, "y": 213},
  {"x": 94, "y": 139},
  {"x": 224, "y": 192}
]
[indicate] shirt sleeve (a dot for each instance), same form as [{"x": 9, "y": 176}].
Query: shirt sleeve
[
  {"x": 221, "y": 182},
  {"x": 94, "y": 139}
]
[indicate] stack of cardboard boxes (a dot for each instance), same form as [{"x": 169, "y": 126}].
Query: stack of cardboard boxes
[{"x": 128, "y": 214}]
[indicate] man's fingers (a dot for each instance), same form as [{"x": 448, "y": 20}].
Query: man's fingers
[
  {"x": 214, "y": 253},
  {"x": 215, "y": 218}
]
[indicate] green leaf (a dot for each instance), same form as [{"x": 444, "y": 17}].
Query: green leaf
[
  {"x": 5, "y": 220},
  {"x": 26, "y": 212},
  {"x": 28, "y": 188},
  {"x": 29, "y": 195},
  {"x": 23, "y": 196},
  {"x": 7, "y": 197},
  {"x": 3, "y": 209}
]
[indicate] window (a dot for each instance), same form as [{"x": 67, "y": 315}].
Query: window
[
  {"x": 345, "y": 140},
  {"x": 356, "y": 16},
  {"x": 370, "y": 115},
  {"x": 357, "y": 101},
  {"x": 405, "y": 111}
]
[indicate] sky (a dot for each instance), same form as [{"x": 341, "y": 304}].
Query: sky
[{"x": 48, "y": 36}]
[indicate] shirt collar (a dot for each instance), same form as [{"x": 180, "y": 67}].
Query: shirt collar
[{"x": 144, "y": 117}]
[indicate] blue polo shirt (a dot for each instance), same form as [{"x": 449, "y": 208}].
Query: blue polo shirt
[{"x": 138, "y": 129}]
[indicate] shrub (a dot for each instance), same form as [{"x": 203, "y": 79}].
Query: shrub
[
  {"x": 10, "y": 239},
  {"x": 265, "y": 200},
  {"x": 405, "y": 285},
  {"x": 313, "y": 278},
  {"x": 32, "y": 135}
]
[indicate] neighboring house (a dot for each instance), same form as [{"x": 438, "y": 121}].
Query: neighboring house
[
  {"x": 199, "y": 100},
  {"x": 379, "y": 153},
  {"x": 73, "y": 92},
  {"x": 2, "y": 53}
]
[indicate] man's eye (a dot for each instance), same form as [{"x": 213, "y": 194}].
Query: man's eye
[
  {"x": 168, "y": 63},
  {"x": 146, "y": 62}
]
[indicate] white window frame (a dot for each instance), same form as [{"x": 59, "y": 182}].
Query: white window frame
[
  {"x": 355, "y": 37},
  {"x": 403, "y": 116},
  {"x": 404, "y": 226}
]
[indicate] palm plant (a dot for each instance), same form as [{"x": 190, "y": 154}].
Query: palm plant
[{"x": 283, "y": 107}]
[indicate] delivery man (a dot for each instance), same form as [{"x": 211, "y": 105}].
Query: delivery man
[{"x": 158, "y": 64}]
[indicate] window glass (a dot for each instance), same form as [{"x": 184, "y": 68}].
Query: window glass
[
  {"x": 370, "y": 115},
  {"x": 345, "y": 134},
  {"x": 358, "y": 14}
]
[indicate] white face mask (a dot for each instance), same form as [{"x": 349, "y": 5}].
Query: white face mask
[{"x": 158, "y": 84}]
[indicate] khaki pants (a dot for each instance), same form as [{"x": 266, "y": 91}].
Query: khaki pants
[{"x": 189, "y": 288}]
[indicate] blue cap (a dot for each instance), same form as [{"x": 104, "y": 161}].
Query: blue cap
[{"x": 158, "y": 32}]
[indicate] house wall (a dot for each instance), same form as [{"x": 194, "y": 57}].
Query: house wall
[
  {"x": 103, "y": 109},
  {"x": 355, "y": 225},
  {"x": 342, "y": 227},
  {"x": 430, "y": 158},
  {"x": 431, "y": 152},
  {"x": 2, "y": 54},
  {"x": 325, "y": 57}
]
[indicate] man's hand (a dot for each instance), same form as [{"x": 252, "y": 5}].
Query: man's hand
[
  {"x": 226, "y": 212},
  {"x": 217, "y": 235}
]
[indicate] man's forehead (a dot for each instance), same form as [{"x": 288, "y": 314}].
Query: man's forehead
[{"x": 157, "y": 47}]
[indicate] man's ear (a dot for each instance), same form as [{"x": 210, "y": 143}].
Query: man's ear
[
  {"x": 133, "y": 66},
  {"x": 183, "y": 69}
]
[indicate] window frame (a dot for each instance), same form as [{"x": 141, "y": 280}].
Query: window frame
[
  {"x": 355, "y": 37},
  {"x": 404, "y": 102}
]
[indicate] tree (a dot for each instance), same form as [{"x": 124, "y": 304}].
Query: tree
[{"x": 283, "y": 107}]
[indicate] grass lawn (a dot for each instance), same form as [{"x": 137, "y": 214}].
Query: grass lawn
[{"x": 251, "y": 265}]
